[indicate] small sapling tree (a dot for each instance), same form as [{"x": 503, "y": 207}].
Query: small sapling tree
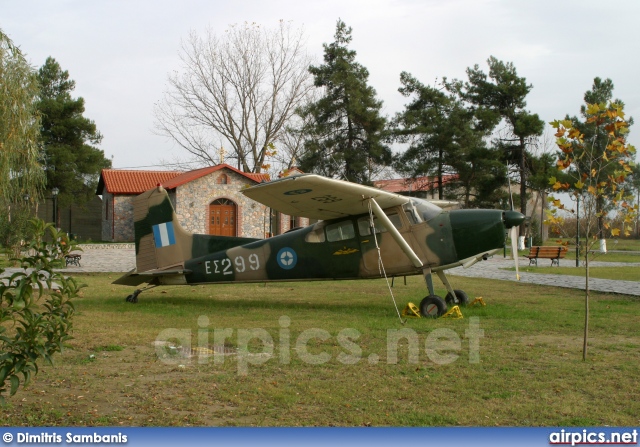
[{"x": 595, "y": 174}]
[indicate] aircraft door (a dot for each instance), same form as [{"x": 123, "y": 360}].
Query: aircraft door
[
  {"x": 394, "y": 259},
  {"x": 343, "y": 249}
]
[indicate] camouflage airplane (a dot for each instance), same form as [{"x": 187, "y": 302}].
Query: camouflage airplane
[{"x": 358, "y": 227}]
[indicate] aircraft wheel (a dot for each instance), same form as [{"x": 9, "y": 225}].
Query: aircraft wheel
[
  {"x": 432, "y": 306},
  {"x": 460, "y": 298},
  {"x": 133, "y": 298}
]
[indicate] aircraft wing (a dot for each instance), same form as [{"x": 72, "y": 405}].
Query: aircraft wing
[{"x": 318, "y": 197}]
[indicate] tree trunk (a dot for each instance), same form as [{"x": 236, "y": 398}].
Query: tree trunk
[
  {"x": 440, "y": 187},
  {"x": 586, "y": 309}
]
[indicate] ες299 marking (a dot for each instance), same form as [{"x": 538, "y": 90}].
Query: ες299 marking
[{"x": 226, "y": 267}]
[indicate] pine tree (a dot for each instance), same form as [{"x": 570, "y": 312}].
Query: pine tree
[
  {"x": 344, "y": 137},
  {"x": 501, "y": 95},
  {"x": 72, "y": 163}
]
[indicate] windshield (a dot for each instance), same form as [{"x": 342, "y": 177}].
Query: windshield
[{"x": 425, "y": 209}]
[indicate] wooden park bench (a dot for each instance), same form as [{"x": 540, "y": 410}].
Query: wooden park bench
[
  {"x": 73, "y": 259},
  {"x": 553, "y": 253}
]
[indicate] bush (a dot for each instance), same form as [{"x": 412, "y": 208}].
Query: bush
[{"x": 35, "y": 308}]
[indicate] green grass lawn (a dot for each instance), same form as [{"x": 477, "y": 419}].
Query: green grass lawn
[
  {"x": 334, "y": 359},
  {"x": 612, "y": 244}
]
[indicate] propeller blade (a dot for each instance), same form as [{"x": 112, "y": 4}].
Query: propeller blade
[
  {"x": 513, "y": 234},
  {"x": 510, "y": 194}
]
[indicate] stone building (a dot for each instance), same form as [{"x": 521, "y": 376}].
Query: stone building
[{"x": 206, "y": 201}]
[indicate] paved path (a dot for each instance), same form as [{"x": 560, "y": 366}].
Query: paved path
[
  {"x": 495, "y": 268},
  {"x": 96, "y": 258},
  {"x": 99, "y": 259}
]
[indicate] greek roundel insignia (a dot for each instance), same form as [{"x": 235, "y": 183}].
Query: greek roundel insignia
[{"x": 287, "y": 258}]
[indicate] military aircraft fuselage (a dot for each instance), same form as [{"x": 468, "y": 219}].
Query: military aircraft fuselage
[
  {"x": 352, "y": 247},
  {"x": 361, "y": 232}
]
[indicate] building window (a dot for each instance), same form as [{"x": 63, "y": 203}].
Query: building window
[{"x": 223, "y": 179}]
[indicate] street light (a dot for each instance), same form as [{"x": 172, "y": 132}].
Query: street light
[{"x": 54, "y": 193}]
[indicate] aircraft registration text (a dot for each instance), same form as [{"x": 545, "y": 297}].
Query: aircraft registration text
[{"x": 227, "y": 267}]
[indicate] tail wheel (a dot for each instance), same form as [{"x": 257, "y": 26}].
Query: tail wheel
[
  {"x": 432, "y": 306},
  {"x": 460, "y": 298},
  {"x": 133, "y": 298}
]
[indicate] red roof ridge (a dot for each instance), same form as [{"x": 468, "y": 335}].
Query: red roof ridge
[
  {"x": 190, "y": 176},
  {"x": 424, "y": 183}
]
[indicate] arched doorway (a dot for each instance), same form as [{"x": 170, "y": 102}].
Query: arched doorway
[{"x": 222, "y": 217}]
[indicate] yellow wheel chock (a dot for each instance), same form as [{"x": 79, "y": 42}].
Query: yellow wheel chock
[
  {"x": 454, "y": 312},
  {"x": 478, "y": 301},
  {"x": 411, "y": 311}
]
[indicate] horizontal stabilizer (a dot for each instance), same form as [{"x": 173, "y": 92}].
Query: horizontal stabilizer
[{"x": 160, "y": 272}]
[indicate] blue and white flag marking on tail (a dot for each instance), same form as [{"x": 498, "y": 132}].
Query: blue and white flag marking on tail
[{"x": 163, "y": 234}]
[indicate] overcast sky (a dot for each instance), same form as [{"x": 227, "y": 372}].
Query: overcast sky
[{"x": 119, "y": 52}]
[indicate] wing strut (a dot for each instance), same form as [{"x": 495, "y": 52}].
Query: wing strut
[{"x": 394, "y": 233}]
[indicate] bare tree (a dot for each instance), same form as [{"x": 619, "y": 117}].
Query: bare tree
[{"x": 237, "y": 90}]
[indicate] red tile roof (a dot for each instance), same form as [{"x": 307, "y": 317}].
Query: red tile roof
[
  {"x": 118, "y": 181},
  {"x": 410, "y": 184},
  {"x": 136, "y": 182},
  {"x": 195, "y": 174}
]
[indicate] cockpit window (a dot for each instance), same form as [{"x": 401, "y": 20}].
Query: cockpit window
[
  {"x": 340, "y": 231},
  {"x": 425, "y": 210},
  {"x": 364, "y": 224},
  {"x": 412, "y": 213}
]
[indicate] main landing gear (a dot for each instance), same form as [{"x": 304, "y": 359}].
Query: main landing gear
[
  {"x": 133, "y": 298},
  {"x": 434, "y": 306}
]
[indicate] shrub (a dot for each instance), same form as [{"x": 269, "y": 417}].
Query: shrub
[{"x": 35, "y": 308}]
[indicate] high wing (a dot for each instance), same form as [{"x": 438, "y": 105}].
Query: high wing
[{"x": 317, "y": 197}]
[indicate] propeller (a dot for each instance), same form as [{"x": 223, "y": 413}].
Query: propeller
[
  {"x": 511, "y": 219},
  {"x": 513, "y": 233}
]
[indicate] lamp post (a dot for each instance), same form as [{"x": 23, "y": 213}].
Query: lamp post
[{"x": 54, "y": 194}]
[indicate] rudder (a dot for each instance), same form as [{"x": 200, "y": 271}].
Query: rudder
[{"x": 160, "y": 240}]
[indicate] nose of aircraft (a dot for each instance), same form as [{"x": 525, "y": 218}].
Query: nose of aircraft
[{"x": 512, "y": 218}]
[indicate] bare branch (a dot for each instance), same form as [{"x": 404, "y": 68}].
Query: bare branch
[{"x": 238, "y": 90}]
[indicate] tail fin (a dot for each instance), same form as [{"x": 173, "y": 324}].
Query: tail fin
[{"x": 160, "y": 240}]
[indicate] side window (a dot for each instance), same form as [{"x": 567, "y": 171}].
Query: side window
[
  {"x": 340, "y": 231},
  {"x": 364, "y": 226}
]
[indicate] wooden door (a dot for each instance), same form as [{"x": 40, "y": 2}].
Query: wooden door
[{"x": 222, "y": 218}]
